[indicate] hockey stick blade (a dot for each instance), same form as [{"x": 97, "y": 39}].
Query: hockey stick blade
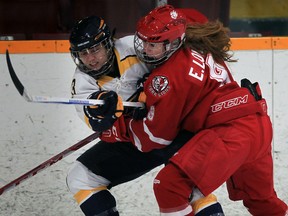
[
  {"x": 55, "y": 100},
  {"x": 13, "y": 75},
  {"x": 48, "y": 163}
]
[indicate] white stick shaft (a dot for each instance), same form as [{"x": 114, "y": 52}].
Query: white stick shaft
[
  {"x": 45, "y": 99},
  {"x": 75, "y": 101}
]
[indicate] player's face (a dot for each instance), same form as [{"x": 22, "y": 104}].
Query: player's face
[
  {"x": 95, "y": 57},
  {"x": 154, "y": 50}
]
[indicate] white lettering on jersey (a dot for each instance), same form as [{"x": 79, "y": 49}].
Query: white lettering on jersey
[
  {"x": 114, "y": 131},
  {"x": 151, "y": 113},
  {"x": 198, "y": 60},
  {"x": 229, "y": 103},
  {"x": 196, "y": 74},
  {"x": 107, "y": 133},
  {"x": 217, "y": 71}
]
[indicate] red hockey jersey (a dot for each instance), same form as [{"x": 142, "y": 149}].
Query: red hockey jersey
[{"x": 190, "y": 91}]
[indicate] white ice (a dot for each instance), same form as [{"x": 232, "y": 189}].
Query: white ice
[{"x": 32, "y": 133}]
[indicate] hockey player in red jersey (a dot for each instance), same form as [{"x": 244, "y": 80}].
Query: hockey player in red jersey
[
  {"x": 192, "y": 88},
  {"x": 106, "y": 66}
]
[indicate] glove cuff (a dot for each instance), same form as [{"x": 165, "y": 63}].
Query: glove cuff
[{"x": 119, "y": 107}]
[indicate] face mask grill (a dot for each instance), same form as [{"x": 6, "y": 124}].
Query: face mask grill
[{"x": 108, "y": 45}]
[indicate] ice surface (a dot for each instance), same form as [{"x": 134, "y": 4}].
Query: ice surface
[{"x": 32, "y": 133}]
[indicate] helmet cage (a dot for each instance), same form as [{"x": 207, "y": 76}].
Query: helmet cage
[
  {"x": 108, "y": 44},
  {"x": 169, "y": 49},
  {"x": 162, "y": 25},
  {"x": 89, "y": 33}
]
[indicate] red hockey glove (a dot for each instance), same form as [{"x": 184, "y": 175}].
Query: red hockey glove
[{"x": 102, "y": 117}]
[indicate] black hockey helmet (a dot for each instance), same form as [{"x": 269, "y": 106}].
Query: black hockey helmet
[{"x": 86, "y": 34}]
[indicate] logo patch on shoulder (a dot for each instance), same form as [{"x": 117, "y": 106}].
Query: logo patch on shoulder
[{"x": 159, "y": 85}]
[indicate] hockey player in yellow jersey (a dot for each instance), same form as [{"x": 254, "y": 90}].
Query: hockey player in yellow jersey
[{"x": 103, "y": 63}]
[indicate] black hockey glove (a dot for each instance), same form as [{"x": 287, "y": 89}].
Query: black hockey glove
[
  {"x": 141, "y": 81},
  {"x": 253, "y": 88},
  {"x": 102, "y": 117},
  {"x": 139, "y": 113}
]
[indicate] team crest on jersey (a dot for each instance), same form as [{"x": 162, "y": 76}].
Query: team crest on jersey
[
  {"x": 173, "y": 14},
  {"x": 159, "y": 85}
]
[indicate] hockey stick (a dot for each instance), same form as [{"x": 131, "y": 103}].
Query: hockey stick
[
  {"x": 44, "y": 99},
  {"x": 48, "y": 163}
]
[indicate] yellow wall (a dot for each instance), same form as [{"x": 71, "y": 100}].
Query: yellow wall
[{"x": 258, "y": 9}]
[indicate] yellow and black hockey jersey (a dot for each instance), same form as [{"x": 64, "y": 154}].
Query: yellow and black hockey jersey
[{"x": 131, "y": 70}]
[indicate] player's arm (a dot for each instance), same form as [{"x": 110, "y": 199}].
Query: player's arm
[
  {"x": 168, "y": 101},
  {"x": 82, "y": 87},
  {"x": 161, "y": 124}
]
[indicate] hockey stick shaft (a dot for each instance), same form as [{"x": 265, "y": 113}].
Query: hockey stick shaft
[
  {"x": 48, "y": 163},
  {"x": 55, "y": 100}
]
